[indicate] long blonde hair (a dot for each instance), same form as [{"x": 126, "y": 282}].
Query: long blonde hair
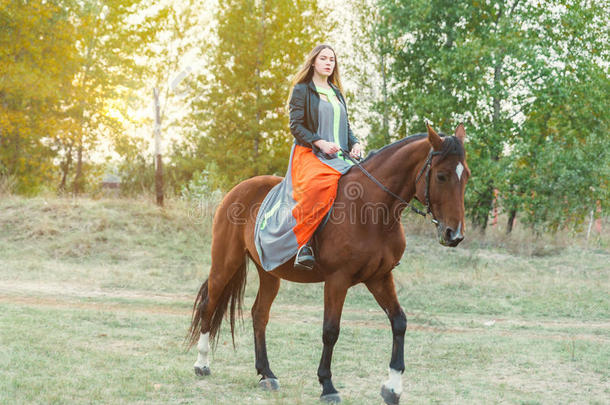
[{"x": 305, "y": 72}]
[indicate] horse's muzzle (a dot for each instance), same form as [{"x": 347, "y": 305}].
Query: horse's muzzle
[{"x": 448, "y": 236}]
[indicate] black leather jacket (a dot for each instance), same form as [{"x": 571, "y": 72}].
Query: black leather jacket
[{"x": 304, "y": 114}]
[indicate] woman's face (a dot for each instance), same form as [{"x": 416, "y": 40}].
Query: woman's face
[{"x": 324, "y": 64}]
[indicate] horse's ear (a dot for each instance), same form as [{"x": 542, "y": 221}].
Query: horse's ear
[
  {"x": 460, "y": 132},
  {"x": 434, "y": 139}
]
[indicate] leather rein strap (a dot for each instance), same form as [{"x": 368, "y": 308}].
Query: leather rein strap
[{"x": 425, "y": 167}]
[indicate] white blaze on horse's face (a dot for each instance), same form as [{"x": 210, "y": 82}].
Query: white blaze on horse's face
[{"x": 459, "y": 169}]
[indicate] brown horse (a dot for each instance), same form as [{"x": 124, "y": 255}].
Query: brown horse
[{"x": 362, "y": 242}]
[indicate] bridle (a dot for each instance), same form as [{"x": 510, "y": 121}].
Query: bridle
[{"x": 425, "y": 168}]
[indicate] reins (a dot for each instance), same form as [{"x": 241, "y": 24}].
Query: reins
[{"x": 425, "y": 167}]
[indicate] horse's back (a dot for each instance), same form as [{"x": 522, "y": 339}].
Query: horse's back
[
  {"x": 252, "y": 190},
  {"x": 240, "y": 205}
]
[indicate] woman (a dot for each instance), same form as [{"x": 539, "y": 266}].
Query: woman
[
  {"x": 319, "y": 124},
  {"x": 293, "y": 209}
]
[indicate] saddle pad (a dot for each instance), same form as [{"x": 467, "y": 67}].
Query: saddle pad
[{"x": 278, "y": 233}]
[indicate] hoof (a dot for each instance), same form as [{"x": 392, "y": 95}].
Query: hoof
[
  {"x": 269, "y": 384},
  {"x": 202, "y": 371},
  {"x": 331, "y": 398},
  {"x": 389, "y": 396}
]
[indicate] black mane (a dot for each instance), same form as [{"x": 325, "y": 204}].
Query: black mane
[
  {"x": 451, "y": 146},
  {"x": 400, "y": 142}
]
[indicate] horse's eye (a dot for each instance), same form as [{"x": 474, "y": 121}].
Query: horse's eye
[{"x": 441, "y": 177}]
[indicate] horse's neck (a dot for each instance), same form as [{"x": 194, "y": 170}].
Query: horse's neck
[{"x": 397, "y": 170}]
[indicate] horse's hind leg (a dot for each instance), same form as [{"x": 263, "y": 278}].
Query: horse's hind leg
[
  {"x": 267, "y": 290},
  {"x": 224, "y": 286},
  {"x": 202, "y": 365}
]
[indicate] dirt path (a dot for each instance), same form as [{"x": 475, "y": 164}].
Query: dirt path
[
  {"x": 70, "y": 296},
  {"x": 76, "y": 290}
]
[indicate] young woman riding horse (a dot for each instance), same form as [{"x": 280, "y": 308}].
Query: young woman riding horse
[
  {"x": 354, "y": 247},
  {"x": 319, "y": 124}
]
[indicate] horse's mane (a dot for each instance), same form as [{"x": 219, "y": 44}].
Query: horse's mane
[
  {"x": 395, "y": 144},
  {"x": 451, "y": 146}
]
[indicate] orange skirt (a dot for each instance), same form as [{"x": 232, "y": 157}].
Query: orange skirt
[{"x": 314, "y": 190}]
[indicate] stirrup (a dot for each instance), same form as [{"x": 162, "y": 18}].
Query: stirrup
[{"x": 304, "y": 259}]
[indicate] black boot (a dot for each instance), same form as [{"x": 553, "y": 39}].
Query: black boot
[{"x": 305, "y": 258}]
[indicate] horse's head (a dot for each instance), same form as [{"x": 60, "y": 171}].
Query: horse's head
[{"x": 443, "y": 182}]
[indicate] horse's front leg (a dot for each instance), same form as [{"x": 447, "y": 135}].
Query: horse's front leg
[
  {"x": 385, "y": 293},
  {"x": 334, "y": 297}
]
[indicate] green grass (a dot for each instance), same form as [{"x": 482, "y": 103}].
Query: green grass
[{"x": 95, "y": 299}]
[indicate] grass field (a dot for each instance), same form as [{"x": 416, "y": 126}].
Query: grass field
[{"x": 95, "y": 301}]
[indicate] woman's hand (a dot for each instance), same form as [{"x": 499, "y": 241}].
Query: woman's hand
[
  {"x": 329, "y": 148},
  {"x": 356, "y": 151}
]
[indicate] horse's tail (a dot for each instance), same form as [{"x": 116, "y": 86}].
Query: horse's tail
[
  {"x": 232, "y": 293},
  {"x": 227, "y": 281}
]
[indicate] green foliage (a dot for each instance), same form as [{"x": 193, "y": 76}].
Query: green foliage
[
  {"x": 107, "y": 42},
  {"x": 241, "y": 117},
  {"x": 137, "y": 169},
  {"x": 562, "y": 165},
  {"x": 7, "y": 184},
  {"x": 62, "y": 63},
  {"x": 495, "y": 66},
  {"x": 529, "y": 80},
  {"x": 368, "y": 67},
  {"x": 168, "y": 32},
  {"x": 453, "y": 61},
  {"x": 38, "y": 58},
  {"x": 199, "y": 188}
]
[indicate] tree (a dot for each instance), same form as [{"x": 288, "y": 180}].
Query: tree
[
  {"x": 560, "y": 166},
  {"x": 172, "y": 33},
  {"x": 107, "y": 43},
  {"x": 241, "y": 118},
  {"x": 63, "y": 64},
  {"x": 368, "y": 65},
  {"x": 38, "y": 59},
  {"x": 483, "y": 63},
  {"x": 454, "y": 62}
]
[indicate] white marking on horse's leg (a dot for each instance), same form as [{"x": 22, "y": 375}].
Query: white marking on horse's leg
[
  {"x": 203, "y": 347},
  {"x": 395, "y": 381},
  {"x": 458, "y": 170}
]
